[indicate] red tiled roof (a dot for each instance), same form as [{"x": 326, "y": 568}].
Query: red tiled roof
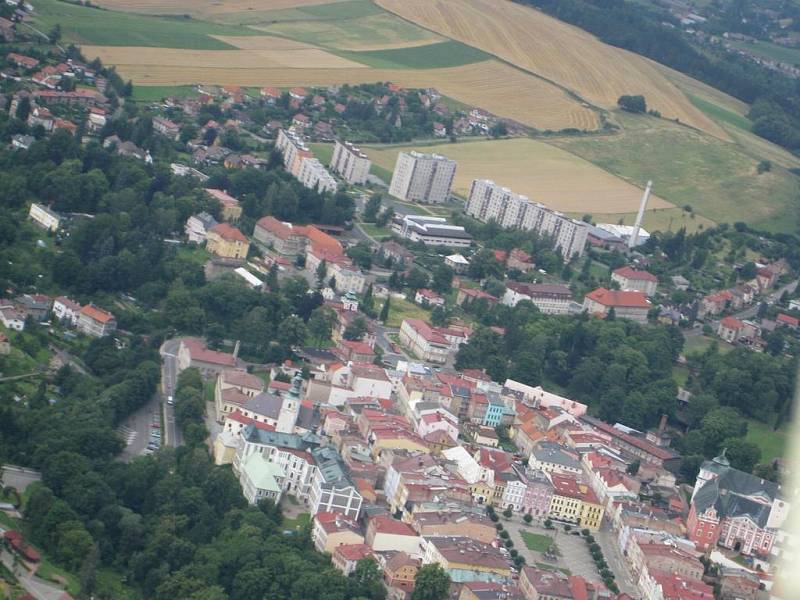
[
  {"x": 97, "y": 314},
  {"x": 229, "y": 232},
  {"x": 731, "y": 323},
  {"x": 566, "y": 485},
  {"x": 222, "y": 197},
  {"x": 271, "y": 91},
  {"x": 426, "y": 331},
  {"x": 198, "y": 351},
  {"x": 240, "y": 418},
  {"x": 619, "y": 298},
  {"x": 353, "y": 552},
  {"x": 383, "y": 524},
  {"x": 630, "y": 273},
  {"x": 788, "y": 320}
]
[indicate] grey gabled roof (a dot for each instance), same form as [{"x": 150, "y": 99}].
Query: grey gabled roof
[
  {"x": 733, "y": 493},
  {"x": 281, "y": 440},
  {"x": 265, "y": 404}
]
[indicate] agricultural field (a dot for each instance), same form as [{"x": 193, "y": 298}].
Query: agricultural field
[
  {"x": 355, "y": 25},
  {"x": 717, "y": 179},
  {"x": 430, "y": 56},
  {"x": 202, "y": 8},
  {"x": 658, "y": 219},
  {"x": 558, "y": 52},
  {"x": 82, "y": 25},
  {"x": 538, "y": 170}
]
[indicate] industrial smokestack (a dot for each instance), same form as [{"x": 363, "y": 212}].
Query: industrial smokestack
[{"x": 638, "y": 224}]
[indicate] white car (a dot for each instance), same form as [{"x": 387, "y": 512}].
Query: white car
[{"x": 170, "y": 401}]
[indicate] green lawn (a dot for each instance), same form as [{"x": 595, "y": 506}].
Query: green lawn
[
  {"x": 770, "y": 51},
  {"x": 381, "y": 172},
  {"x": 430, "y": 56},
  {"x": 84, "y": 25},
  {"x": 772, "y": 443},
  {"x": 715, "y": 111},
  {"x": 297, "y": 523},
  {"x": 379, "y": 233},
  {"x": 324, "y": 152},
  {"x": 49, "y": 572},
  {"x": 155, "y": 93},
  {"x": 403, "y": 309},
  {"x": 697, "y": 344},
  {"x": 536, "y": 542},
  {"x": 680, "y": 374},
  {"x": 717, "y": 178}
]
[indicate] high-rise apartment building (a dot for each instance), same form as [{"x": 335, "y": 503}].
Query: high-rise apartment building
[
  {"x": 350, "y": 163},
  {"x": 425, "y": 178}
]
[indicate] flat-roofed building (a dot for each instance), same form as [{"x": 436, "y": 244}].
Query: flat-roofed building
[
  {"x": 350, "y": 163},
  {"x": 424, "y": 178}
]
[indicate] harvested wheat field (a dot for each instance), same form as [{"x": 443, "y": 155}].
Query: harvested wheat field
[
  {"x": 540, "y": 171},
  {"x": 261, "y": 42},
  {"x": 533, "y": 102},
  {"x": 174, "y": 60},
  {"x": 203, "y": 7},
  {"x": 559, "y": 52}
]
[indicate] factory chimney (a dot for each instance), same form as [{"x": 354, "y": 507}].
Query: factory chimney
[{"x": 638, "y": 224}]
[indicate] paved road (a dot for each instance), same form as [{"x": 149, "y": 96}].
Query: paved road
[
  {"x": 17, "y": 477},
  {"x": 607, "y": 539},
  {"x": 68, "y": 359},
  {"x": 135, "y": 430},
  {"x": 169, "y": 381},
  {"x": 36, "y": 587}
]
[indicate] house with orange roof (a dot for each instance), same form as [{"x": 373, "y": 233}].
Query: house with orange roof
[
  {"x": 387, "y": 533},
  {"x": 95, "y": 321},
  {"x": 231, "y": 209},
  {"x": 227, "y": 241},
  {"x": 714, "y": 304},
  {"x": 730, "y": 329},
  {"x": 632, "y": 280},
  {"x": 787, "y": 321},
  {"x": 574, "y": 501},
  {"x": 330, "y": 530},
  {"x": 626, "y": 305},
  {"x": 298, "y": 93},
  {"x": 346, "y": 557},
  {"x": 270, "y": 94},
  {"x": 284, "y": 238}
]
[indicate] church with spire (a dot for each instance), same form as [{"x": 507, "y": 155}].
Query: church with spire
[{"x": 734, "y": 509}]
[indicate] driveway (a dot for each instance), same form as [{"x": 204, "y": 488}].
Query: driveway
[
  {"x": 18, "y": 477},
  {"x": 38, "y": 588}
]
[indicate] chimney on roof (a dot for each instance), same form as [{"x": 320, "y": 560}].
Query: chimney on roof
[{"x": 662, "y": 424}]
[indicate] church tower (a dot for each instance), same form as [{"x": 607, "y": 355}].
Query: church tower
[{"x": 287, "y": 418}]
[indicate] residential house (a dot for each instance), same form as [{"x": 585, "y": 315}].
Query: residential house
[
  {"x": 465, "y": 559},
  {"x": 661, "y": 585},
  {"x": 626, "y": 305},
  {"x": 12, "y": 318},
  {"x": 166, "y": 128},
  {"x": 574, "y": 502},
  {"x": 489, "y": 590},
  {"x": 635, "y": 445},
  {"x": 398, "y": 254},
  {"x": 554, "y": 458},
  {"x": 457, "y": 262},
  {"x": 630, "y": 279},
  {"x": 347, "y": 556},
  {"x": 35, "y": 306},
  {"x": 714, "y": 304},
  {"x": 285, "y": 238},
  {"x": 738, "y": 584},
  {"x": 476, "y": 526},
  {"x": 95, "y": 321},
  {"x": 549, "y": 298},
  {"x": 538, "y": 493},
  {"x": 227, "y": 241},
  {"x": 520, "y": 260},
  {"x": 197, "y": 227},
  {"x": 429, "y": 298},
  {"x": 432, "y": 344},
  {"x": 730, "y": 329},
  {"x": 231, "y": 209},
  {"x": 386, "y": 533},
  {"x": 66, "y": 310},
  {"x": 330, "y": 530},
  {"x": 539, "y": 584},
  {"x": 400, "y": 572},
  {"x": 466, "y": 296},
  {"x": 44, "y": 217}
]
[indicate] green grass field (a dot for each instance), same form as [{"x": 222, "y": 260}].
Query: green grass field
[
  {"x": 772, "y": 443},
  {"x": 362, "y": 25},
  {"x": 770, "y": 51},
  {"x": 431, "y": 56},
  {"x": 536, "y": 541},
  {"x": 403, "y": 309},
  {"x": 718, "y": 179},
  {"x": 84, "y": 25},
  {"x": 297, "y": 523},
  {"x": 372, "y": 230},
  {"x": 155, "y": 93},
  {"x": 324, "y": 152},
  {"x": 718, "y": 113}
]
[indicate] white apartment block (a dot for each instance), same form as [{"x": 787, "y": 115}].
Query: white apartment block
[
  {"x": 44, "y": 217},
  {"x": 315, "y": 176},
  {"x": 425, "y": 178},
  {"x": 350, "y": 163},
  {"x": 487, "y": 201},
  {"x": 293, "y": 149}
]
